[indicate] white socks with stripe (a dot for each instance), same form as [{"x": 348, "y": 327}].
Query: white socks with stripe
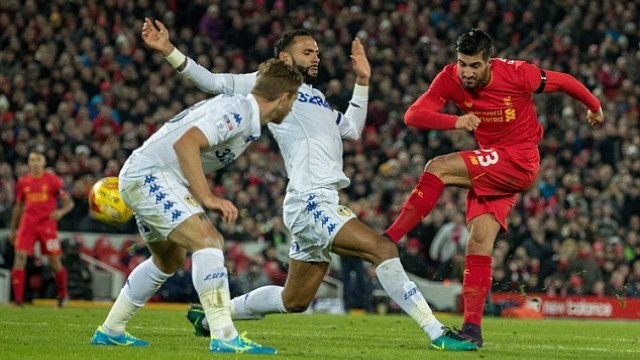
[
  {"x": 263, "y": 300},
  {"x": 211, "y": 281},
  {"x": 141, "y": 284},
  {"x": 406, "y": 294}
]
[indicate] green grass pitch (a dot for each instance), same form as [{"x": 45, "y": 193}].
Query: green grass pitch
[{"x": 37, "y": 332}]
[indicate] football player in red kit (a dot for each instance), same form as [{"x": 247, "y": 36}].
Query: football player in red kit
[
  {"x": 496, "y": 97},
  {"x": 35, "y": 218}
]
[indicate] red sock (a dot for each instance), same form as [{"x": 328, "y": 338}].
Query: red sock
[
  {"x": 61, "y": 283},
  {"x": 475, "y": 287},
  {"x": 419, "y": 204},
  {"x": 17, "y": 280}
]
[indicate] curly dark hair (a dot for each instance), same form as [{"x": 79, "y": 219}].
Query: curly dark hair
[{"x": 287, "y": 38}]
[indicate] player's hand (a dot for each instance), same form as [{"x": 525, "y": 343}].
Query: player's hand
[
  {"x": 468, "y": 122},
  {"x": 156, "y": 36},
  {"x": 360, "y": 63},
  {"x": 223, "y": 207},
  {"x": 56, "y": 215},
  {"x": 595, "y": 118}
]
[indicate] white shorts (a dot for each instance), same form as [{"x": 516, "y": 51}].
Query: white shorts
[
  {"x": 160, "y": 203},
  {"x": 314, "y": 218}
]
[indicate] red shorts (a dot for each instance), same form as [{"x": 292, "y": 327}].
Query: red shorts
[
  {"x": 497, "y": 176},
  {"x": 46, "y": 233}
]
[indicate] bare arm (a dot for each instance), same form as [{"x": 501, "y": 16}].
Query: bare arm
[
  {"x": 187, "y": 149},
  {"x": 18, "y": 209},
  {"x": 67, "y": 206}
]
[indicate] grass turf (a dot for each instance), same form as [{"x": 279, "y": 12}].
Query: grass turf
[{"x": 38, "y": 332}]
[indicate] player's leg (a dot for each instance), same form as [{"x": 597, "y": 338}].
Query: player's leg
[
  {"x": 141, "y": 284},
  {"x": 52, "y": 248},
  {"x": 358, "y": 240},
  {"x": 60, "y": 278},
  {"x": 498, "y": 175},
  {"x": 303, "y": 280},
  {"x": 440, "y": 171},
  {"x": 476, "y": 282},
  {"x": 18, "y": 275},
  {"x": 210, "y": 279},
  {"x": 23, "y": 247}
]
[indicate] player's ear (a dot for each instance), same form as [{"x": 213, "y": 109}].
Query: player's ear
[{"x": 284, "y": 56}]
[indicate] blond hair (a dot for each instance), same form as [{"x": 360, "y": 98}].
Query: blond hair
[{"x": 276, "y": 77}]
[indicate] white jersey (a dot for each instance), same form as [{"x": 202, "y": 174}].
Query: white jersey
[
  {"x": 310, "y": 137},
  {"x": 229, "y": 122}
]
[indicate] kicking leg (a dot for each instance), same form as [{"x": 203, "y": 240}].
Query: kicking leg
[{"x": 357, "y": 239}]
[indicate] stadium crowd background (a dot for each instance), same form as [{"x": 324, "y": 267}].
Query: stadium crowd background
[{"x": 77, "y": 81}]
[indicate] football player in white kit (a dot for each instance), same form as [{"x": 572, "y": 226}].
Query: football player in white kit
[
  {"x": 164, "y": 183},
  {"x": 310, "y": 139}
]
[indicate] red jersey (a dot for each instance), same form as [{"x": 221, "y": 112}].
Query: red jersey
[
  {"x": 505, "y": 105},
  {"x": 39, "y": 195}
]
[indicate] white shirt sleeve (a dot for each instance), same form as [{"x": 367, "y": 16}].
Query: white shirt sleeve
[
  {"x": 352, "y": 121},
  {"x": 212, "y": 83}
]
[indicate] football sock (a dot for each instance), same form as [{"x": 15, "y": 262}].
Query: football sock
[
  {"x": 476, "y": 284},
  {"x": 121, "y": 311},
  {"x": 141, "y": 284},
  {"x": 17, "y": 281},
  {"x": 61, "y": 283},
  {"x": 406, "y": 294},
  {"x": 263, "y": 300},
  {"x": 211, "y": 281},
  {"x": 419, "y": 204}
]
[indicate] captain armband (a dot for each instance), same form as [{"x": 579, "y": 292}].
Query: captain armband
[{"x": 543, "y": 82}]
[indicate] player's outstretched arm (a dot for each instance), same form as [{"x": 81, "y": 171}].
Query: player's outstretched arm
[{"x": 156, "y": 36}]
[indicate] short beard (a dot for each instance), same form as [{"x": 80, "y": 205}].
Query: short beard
[{"x": 308, "y": 79}]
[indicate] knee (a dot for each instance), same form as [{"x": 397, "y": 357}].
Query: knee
[
  {"x": 20, "y": 261},
  {"x": 479, "y": 245},
  {"x": 385, "y": 250},
  {"x": 436, "y": 166},
  {"x": 296, "y": 306},
  {"x": 209, "y": 241},
  {"x": 171, "y": 264}
]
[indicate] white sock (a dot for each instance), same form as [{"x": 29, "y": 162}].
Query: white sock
[
  {"x": 263, "y": 300},
  {"x": 406, "y": 294},
  {"x": 211, "y": 281},
  {"x": 141, "y": 284}
]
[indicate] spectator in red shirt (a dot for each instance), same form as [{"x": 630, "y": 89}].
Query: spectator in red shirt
[{"x": 35, "y": 218}]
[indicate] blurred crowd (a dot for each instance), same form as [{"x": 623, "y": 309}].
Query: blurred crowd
[{"x": 77, "y": 81}]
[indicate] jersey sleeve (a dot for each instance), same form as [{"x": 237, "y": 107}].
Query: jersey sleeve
[
  {"x": 57, "y": 185},
  {"x": 532, "y": 79},
  {"x": 425, "y": 113},
  {"x": 558, "y": 81},
  {"x": 212, "y": 83},
  {"x": 352, "y": 121}
]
